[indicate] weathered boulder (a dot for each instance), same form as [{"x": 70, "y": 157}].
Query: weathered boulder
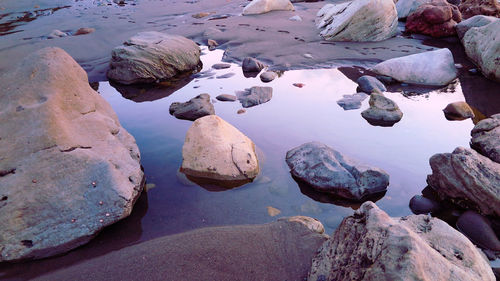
[
  {"x": 459, "y": 110},
  {"x": 434, "y": 68},
  {"x": 349, "y": 102},
  {"x": 370, "y": 245},
  {"x": 368, "y": 84},
  {"x": 326, "y": 170},
  {"x": 151, "y": 56},
  {"x": 214, "y": 149},
  {"x": 486, "y": 137},
  {"x": 255, "y": 96},
  {"x": 265, "y": 6},
  {"x": 382, "y": 112},
  {"x": 193, "y": 109},
  {"x": 358, "y": 21},
  {"x": 468, "y": 179},
  {"x": 437, "y": 19},
  {"x": 406, "y": 7},
  {"x": 482, "y": 45},
  {"x": 252, "y": 65},
  {"x": 67, "y": 167},
  {"x": 470, "y": 8},
  {"x": 475, "y": 21}
]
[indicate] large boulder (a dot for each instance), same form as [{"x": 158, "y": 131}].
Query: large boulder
[
  {"x": 67, "y": 167},
  {"x": 370, "y": 245},
  {"x": 433, "y": 68},
  {"x": 470, "y": 8},
  {"x": 486, "y": 137},
  {"x": 406, "y": 7},
  {"x": 468, "y": 179},
  {"x": 326, "y": 170},
  {"x": 152, "y": 56},
  {"x": 265, "y": 6},
  {"x": 382, "y": 112},
  {"x": 482, "y": 45},
  {"x": 437, "y": 19},
  {"x": 475, "y": 21},
  {"x": 358, "y": 20},
  {"x": 193, "y": 109},
  {"x": 215, "y": 150}
]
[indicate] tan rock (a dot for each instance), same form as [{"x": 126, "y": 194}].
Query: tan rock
[{"x": 265, "y": 6}]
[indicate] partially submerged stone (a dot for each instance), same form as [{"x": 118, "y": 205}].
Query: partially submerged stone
[
  {"x": 252, "y": 65},
  {"x": 382, "y": 112},
  {"x": 486, "y": 137},
  {"x": 255, "y": 96},
  {"x": 349, "y": 102},
  {"x": 193, "y": 109},
  {"x": 459, "y": 110},
  {"x": 265, "y": 6},
  {"x": 268, "y": 76},
  {"x": 369, "y": 84}
]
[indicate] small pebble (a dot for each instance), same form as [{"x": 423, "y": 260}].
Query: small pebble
[
  {"x": 299, "y": 85},
  {"x": 309, "y": 56},
  {"x": 241, "y": 111},
  {"x": 100, "y": 203},
  {"x": 34, "y": 181},
  {"x": 107, "y": 215},
  {"x": 458, "y": 65},
  {"x": 101, "y": 220}
]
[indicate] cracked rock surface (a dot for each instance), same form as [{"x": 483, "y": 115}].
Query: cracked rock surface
[
  {"x": 370, "y": 245},
  {"x": 67, "y": 167}
]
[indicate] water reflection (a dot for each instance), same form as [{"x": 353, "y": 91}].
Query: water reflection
[{"x": 9, "y": 21}]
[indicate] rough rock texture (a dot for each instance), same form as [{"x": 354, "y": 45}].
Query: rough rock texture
[
  {"x": 358, "y": 21},
  {"x": 214, "y": 149},
  {"x": 486, "y": 137},
  {"x": 370, "y": 245},
  {"x": 468, "y": 179},
  {"x": 475, "y": 21},
  {"x": 67, "y": 167},
  {"x": 326, "y": 170},
  {"x": 482, "y": 45},
  {"x": 151, "y": 56},
  {"x": 382, "y": 112},
  {"x": 459, "y": 110},
  {"x": 193, "y": 109},
  {"x": 406, "y": 7},
  {"x": 368, "y": 84},
  {"x": 434, "y": 68},
  {"x": 265, "y": 6},
  {"x": 252, "y": 65},
  {"x": 255, "y": 96},
  {"x": 349, "y": 102},
  {"x": 470, "y": 8},
  {"x": 437, "y": 19}
]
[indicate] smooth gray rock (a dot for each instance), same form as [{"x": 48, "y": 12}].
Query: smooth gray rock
[
  {"x": 268, "y": 76},
  {"x": 226, "y": 97},
  {"x": 482, "y": 46},
  {"x": 369, "y": 84},
  {"x": 151, "y": 56},
  {"x": 421, "y": 205},
  {"x": 67, "y": 167},
  {"x": 382, "y": 112},
  {"x": 221, "y": 66},
  {"x": 349, "y": 102},
  {"x": 255, "y": 96},
  {"x": 475, "y": 21},
  {"x": 252, "y": 65},
  {"x": 486, "y": 137},
  {"x": 459, "y": 110},
  {"x": 468, "y": 179},
  {"x": 478, "y": 229},
  {"x": 371, "y": 246},
  {"x": 326, "y": 170},
  {"x": 193, "y": 109}
]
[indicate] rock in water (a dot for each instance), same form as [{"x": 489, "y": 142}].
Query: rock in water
[
  {"x": 226, "y": 97},
  {"x": 151, "y": 56},
  {"x": 437, "y": 19},
  {"x": 482, "y": 45},
  {"x": 370, "y": 245},
  {"x": 193, "y": 109},
  {"x": 406, "y": 7},
  {"x": 268, "y": 76},
  {"x": 368, "y": 84},
  {"x": 468, "y": 179},
  {"x": 470, "y": 8},
  {"x": 265, "y": 6},
  {"x": 486, "y": 137},
  {"x": 214, "y": 149},
  {"x": 349, "y": 102},
  {"x": 475, "y": 21},
  {"x": 358, "y": 21},
  {"x": 382, "y": 112},
  {"x": 479, "y": 231},
  {"x": 63, "y": 151},
  {"x": 433, "y": 68},
  {"x": 255, "y": 96},
  {"x": 252, "y": 65},
  {"x": 326, "y": 170},
  {"x": 459, "y": 110}
]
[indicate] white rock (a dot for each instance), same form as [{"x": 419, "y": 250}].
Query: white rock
[
  {"x": 295, "y": 18},
  {"x": 406, "y": 7},
  {"x": 435, "y": 68},
  {"x": 264, "y": 6}
]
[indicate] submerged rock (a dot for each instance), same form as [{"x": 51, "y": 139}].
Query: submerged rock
[
  {"x": 475, "y": 21},
  {"x": 358, "y": 21},
  {"x": 221, "y": 66},
  {"x": 265, "y": 6},
  {"x": 478, "y": 229},
  {"x": 193, "y": 109},
  {"x": 437, "y": 18},
  {"x": 382, "y": 112},
  {"x": 255, "y": 96},
  {"x": 67, "y": 167},
  {"x": 470, "y": 8},
  {"x": 459, "y": 110},
  {"x": 326, "y": 170},
  {"x": 369, "y": 84},
  {"x": 151, "y": 56},
  {"x": 349, "y": 102},
  {"x": 486, "y": 137},
  {"x": 421, "y": 205},
  {"x": 433, "y": 68},
  {"x": 370, "y": 245}
]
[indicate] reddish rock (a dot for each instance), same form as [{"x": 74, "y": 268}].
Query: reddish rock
[
  {"x": 470, "y": 8},
  {"x": 437, "y": 19}
]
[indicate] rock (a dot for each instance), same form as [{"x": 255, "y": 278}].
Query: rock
[
  {"x": 295, "y": 18},
  {"x": 299, "y": 85},
  {"x": 255, "y": 96},
  {"x": 478, "y": 229},
  {"x": 482, "y": 45},
  {"x": 406, "y": 7},
  {"x": 382, "y": 112},
  {"x": 151, "y": 56},
  {"x": 56, "y": 34},
  {"x": 241, "y": 111},
  {"x": 212, "y": 44},
  {"x": 271, "y": 211},
  {"x": 437, "y": 19},
  {"x": 226, "y": 97},
  {"x": 468, "y": 179},
  {"x": 63, "y": 151},
  {"x": 268, "y": 76},
  {"x": 370, "y": 245},
  {"x": 368, "y": 84},
  {"x": 459, "y": 110},
  {"x": 349, "y": 102},
  {"x": 326, "y": 170},
  {"x": 475, "y": 21},
  {"x": 358, "y": 21},
  {"x": 227, "y": 75},
  {"x": 486, "y": 137},
  {"x": 84, "y": 30},
  {"x": 264, "y": 6},
  {"x": 470, "y": 8},
  {"x": 193, "y": 109},
  {"x": 311, "y": 223},
  {"x": 214, "y": 149},
  {"x": 421, "y": 205},
  {"x": 252, "y": 65},
  {"x": 221, "y": 66},
  {"x": 433, "y": 68}
]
